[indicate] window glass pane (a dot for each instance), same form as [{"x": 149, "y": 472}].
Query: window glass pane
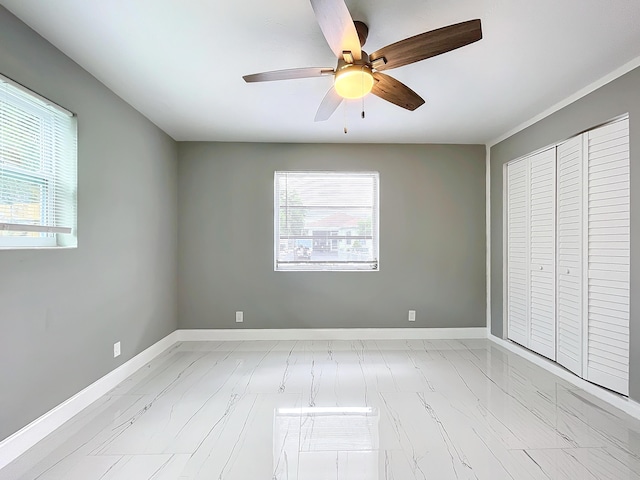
[
  {"x": 21, "y": 202},
  {"x": 21, "y": 133},
  {"x": 327, "y": 220},
  {"x": 38, "y": 170}
]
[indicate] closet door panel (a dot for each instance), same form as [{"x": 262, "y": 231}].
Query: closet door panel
[
  {"x": 570, "y": 254},
  {"x": 542, "y": 238},
  {"x": 517, "y": 252},
  {"x": 606, "y": 346}
]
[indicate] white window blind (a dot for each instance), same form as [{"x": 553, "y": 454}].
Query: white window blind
[
  {"x": 38, "y": 163},
  {"x": 326, "y": 221}
]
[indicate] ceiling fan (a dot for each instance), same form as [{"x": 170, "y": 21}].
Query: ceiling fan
[{"x": 357, "y": 73}]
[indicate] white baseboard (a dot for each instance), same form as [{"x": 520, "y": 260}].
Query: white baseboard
[
  {"x": 330, "y": 334},
  {"x": 18, "y": 443},
  {"x": 620, "y": 402},
  {"x": 25, "y": 438}
]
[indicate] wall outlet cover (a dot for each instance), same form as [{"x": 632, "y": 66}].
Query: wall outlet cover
[
  {"x": 412, "y": 315},
  {"x": 239, "y": 317},
  {"x": 116, "y": 349}
]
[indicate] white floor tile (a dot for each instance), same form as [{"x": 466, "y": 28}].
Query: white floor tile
[{"x": 340, "y": 410}]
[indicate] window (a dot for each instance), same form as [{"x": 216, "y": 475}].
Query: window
[
  {"x": 326, "y": 221},
  {"x": 38, "y": 162}
]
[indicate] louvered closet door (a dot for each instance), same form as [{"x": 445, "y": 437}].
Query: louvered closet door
[
  {"x": 542, "y": 238},
  {"x": 569, "y": 254},
  {"x": 518, "y": 251},
  {"x": 607, "y": 330}
]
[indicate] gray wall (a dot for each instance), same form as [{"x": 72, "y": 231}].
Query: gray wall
[
  {"x": 61, "y": 311},
  {"x": 614, "y": 99},
  {"x": 432, "y": 239}
]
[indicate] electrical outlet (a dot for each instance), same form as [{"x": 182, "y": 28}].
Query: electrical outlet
[
  {"x": 239, "y": 317},
  {"x": 116, "y": 349},
  {"x": 412, "y": 315}
]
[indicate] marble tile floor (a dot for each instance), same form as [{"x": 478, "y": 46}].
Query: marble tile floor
[{"x": 340, "y": 410}]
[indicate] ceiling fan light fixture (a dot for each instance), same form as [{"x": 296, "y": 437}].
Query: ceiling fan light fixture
[{"x": 353, "y": 81}]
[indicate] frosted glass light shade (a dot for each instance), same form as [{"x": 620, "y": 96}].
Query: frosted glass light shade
[{"x": 353, "y": 81}]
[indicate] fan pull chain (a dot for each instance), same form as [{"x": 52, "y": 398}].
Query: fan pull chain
[
  {"x": 362, "y": 79},
  {"x": 346, "y": 130}
]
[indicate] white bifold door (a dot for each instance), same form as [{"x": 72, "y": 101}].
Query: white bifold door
[
  {"x": 531, "y": 205},
  {"x": 568, "y": 254},
  {"x": 606, "y": 329},
  {"x": 570, "y": 228},
  {"x": 518, "y": 251}
]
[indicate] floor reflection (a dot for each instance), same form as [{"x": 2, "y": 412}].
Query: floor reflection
[{"x": 308, "y": 440}]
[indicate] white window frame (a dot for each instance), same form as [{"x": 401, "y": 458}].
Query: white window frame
[
  {"x": 50, "y": 236},
  {"x": 337, "y": 266}
]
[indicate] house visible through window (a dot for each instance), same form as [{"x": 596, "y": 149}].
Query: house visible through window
[
  {"x": 326, "y": 221},
  {"x": 38, "y": 163}
]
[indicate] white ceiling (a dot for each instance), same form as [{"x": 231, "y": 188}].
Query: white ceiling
[{"x": 180, "y": 63}]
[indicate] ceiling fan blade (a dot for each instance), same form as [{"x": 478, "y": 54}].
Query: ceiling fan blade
[
  {"x": 391, "y": 90},
  {"x": 337, "y": 27},
  {"x": 289, "y": 74},
  {"x": 329, "y": 104},
  {"x": 426, "y": 45}
]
